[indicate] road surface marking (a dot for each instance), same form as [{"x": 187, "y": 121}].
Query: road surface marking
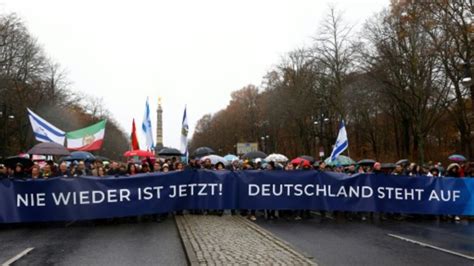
[
  {"x": 320, "y": 215},
  {"x": 70, "y": 223},
  {"x": 17, "y": 257},
  {"x": 433, "y": 247}
]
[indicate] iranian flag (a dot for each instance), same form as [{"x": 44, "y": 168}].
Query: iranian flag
[{"x": 87, "y": 139}]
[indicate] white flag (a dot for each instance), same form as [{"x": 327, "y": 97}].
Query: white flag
[
  {"x": 184, "y": 134},
  {"x": 44, "y": 131},
  {"x": 146, "y": 128},
  {"x": 341, "y": 142}
]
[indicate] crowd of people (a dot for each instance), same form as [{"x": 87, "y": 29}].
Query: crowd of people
[{"x": 98, "y": 168}]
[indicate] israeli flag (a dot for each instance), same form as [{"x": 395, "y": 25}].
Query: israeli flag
[
  {"x": 341, "y": 142},
  {"x": 146, "y": 127},
  {"x": 184, "y": 134},
  {"x": 44, "y": 131}
]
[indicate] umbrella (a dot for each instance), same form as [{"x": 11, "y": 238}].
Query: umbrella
[
  {"x": 230, "y": 157},
  {"x": 203, "y": 151},
  {"x": 254, "y": 155},
  {"x": 341, "y": 160},
  {"x": 12, "y": 161},
  {"x": 79, "y": 156},
  {"x": 307, "y": 158},
  {"x": 35, "y": 158},
  {"x": 276, "y": 157},
  {"x": 457, "y": 158},
  {"x": 215, "y": 159},
  {"x": 389, "y": 166},
  {"x": 298, "y": 160},
  {"x": 366, "y": 162},
  {"x": 170, "y": 152},
  {"x": 49, "y": 148},
  {"x": 102, "y": 158},
  {"x": 139, "y": 153},
  {"x": 403, "y": 162}
]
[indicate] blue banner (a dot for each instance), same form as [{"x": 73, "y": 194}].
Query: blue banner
[{"x": 64, "y": 199}]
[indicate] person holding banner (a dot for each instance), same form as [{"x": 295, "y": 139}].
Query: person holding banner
[
  {"x": 19, "y": 172},
  {"x": 47, "y": 172},
  {"x": 132, "y": 169},
  {"x": 3, "y": 172},
  {"x": 35, "y": 172},
  {"x": 63, "y": 171}
]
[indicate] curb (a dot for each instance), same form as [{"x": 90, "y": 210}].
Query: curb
[{"x": 188, "y": 249}]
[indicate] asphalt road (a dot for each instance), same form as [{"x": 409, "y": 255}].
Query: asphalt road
[
  {"x": 330, "y": 242},
  {"x": 128, "y": 243},
  {"x": 340, "y": 242}
]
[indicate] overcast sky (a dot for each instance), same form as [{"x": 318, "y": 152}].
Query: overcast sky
[{"x": 187, "y": 52}]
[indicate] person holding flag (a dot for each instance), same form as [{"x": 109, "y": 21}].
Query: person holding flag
[
  {"x": 146, "y": 128},
  {"x": 133, "y": 138},
  {"x": 44, "y": 131},
  {"x": 342, "y": 143},
  {"x": 184, "y": 135}
]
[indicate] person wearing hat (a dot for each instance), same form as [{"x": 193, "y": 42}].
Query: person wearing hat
[
  {"x": 165, "y": 168},
  {"x": 220, "y": 166},
  {"x": 453, "y": 170},
  {"x": 19, "y": 172},
  {"x": 434, "y": 172}
]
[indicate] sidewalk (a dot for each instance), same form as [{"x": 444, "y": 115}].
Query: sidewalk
[{"x": 233, "y": 240}]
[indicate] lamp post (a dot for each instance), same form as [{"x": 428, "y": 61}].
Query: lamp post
[
  {"x": 320, "y": 121},
  {"x": 264, "y": 142},
  {"x": 262, "y": 127}
]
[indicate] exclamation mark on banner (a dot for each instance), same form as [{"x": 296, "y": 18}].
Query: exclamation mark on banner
[{"x": 220, "y": 189}]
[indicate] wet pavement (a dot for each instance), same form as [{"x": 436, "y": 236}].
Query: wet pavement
[
  {"x": 327, "y": 241},
  {"x": 342, "y": 242},
  {"x": 87, "y": 243}
]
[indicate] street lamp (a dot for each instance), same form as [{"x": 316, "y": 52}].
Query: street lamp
[
  {"x": 321, "y": 119},
  {"x": 264, "y": 140}
]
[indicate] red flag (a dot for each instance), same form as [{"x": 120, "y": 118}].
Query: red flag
[{"x": 135, "y": 145}]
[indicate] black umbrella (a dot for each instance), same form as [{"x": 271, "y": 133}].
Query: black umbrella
[
  {"x": 366, "y": 162},
  {"x": 170, "y": 152},
  {"x": 307, "y": 158},
  {"x": 254, "y": 155},
  {"x": 48, "y": 148},
  {"x": 12, "y": 161},
  {"x": 403, "y": 162},
  {"x": 79, "y": 156},
  {"x": 203, "y": 151}
]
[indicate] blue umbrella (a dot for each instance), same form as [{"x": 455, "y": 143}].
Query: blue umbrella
[
  {"x": 457, "y": 158},
  {"x": 79, "y": 156},
  {"x": 341, "y": 160},
  {"x": 230, "y": 157}
]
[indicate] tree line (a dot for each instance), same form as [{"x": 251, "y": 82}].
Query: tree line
[
  {"x": 29, "y": 79},
  {"x": 402, "y": 85}
]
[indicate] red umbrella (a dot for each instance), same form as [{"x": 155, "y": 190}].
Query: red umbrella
[
  {"x": 139, "y": 153},
  {"x": 299, "y": 160}
]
